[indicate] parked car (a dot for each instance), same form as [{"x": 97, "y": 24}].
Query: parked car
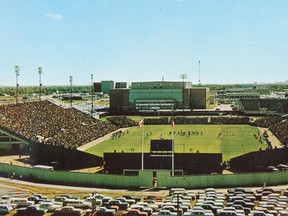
[
  {"x": 59, "y": 199},
  {"x": 67, "y": 210},
  {"x": 31, "y": 210},
  {"x": 68, "y": 196},
  {"x": 242, "y": 203},
  {"x": 103, "y": 211},
  {"x": 131, "y": 197},
  {"x": 41, "y": 197},
  {"x": 155, "y": 198},
  {"x": 146, "y": 207},
  {"x": 123, "y": 199},
  {"x": 8, "y": 203},
  {"x": 21, "y": 202},
  {"x": 152, "y": 206},
  {"x": 77, "y": 203},
  {"x": 177, "y": 190},
  {"x": 134, "y": 212},
  {"x": 243, "y": 190},
  {"x": 50, "y": 206},
  {"x": 164, "y": 213},
  {"x": 5, "y": 197},
  {"x": 259, "y": 213},
  {"x": 268, "y": 189},
  {"x": 4, "y": 208},
  {"x": 34, "y": 198},
  {"x": 121, "y": 205},
  {"x": 142, "y": 208},
  {"x": 199, "y": 211}
]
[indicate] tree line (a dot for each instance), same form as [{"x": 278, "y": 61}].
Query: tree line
[{"x": 47, "y": 90}]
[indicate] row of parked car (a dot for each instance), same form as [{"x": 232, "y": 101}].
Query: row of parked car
[
  {"x": 179, "y": 202},
  {"x": 38, "y": 205}
]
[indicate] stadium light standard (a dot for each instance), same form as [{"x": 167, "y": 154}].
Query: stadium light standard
[
  {"x": 71, "y": 90},
  {"x": 92, "y": 96},
  {"x": 40, "y": 84},
  {"x": 183, "y": 77},
  {"x": 17, "y": 72},
  {"x": 199, "y": 74}
]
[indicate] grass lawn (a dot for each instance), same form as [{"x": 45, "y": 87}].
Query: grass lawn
[{"x": 231, "y": 140}]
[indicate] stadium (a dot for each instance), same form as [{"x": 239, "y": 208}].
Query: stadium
[
  {"x": 147, "y": 153},
  {"x": 148, "y": 143},
  {"x": 51, "y": 135}
]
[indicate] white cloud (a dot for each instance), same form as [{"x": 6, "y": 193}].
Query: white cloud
[{"x": 55, "y": 16}]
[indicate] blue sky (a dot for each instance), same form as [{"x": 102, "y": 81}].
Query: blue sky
[{"x": 236, "y": 41}]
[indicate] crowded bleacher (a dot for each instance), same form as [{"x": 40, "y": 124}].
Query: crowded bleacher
[
  {"x": 278, "y": 125},
  {"x": 121, "y": 121},
  {"x": 197, "y": 120},
  {"x": 48, "y": 123}
]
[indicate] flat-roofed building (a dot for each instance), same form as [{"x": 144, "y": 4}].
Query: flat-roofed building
[
  {"x": 159, "y": 96},
  {"x": 152, "y": 96},
  {"x": 199, "y": 98},
  {"x": 106, "y": 86},
  {"x": 103, "y": 86},
  {"x": 121, "y": 85}
]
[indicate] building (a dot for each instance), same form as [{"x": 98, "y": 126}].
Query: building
[
  {"x": 263, "y": 106},
  {"x": 104, "y": 86},
  {"x": 121, "y": 85},
  {"x": 200, "y": 98},
  {"x": 159, "y": 96}
]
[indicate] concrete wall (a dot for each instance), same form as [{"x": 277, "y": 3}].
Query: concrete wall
[
  {"x": 221, "y": 181},
  {"x": 144, "y": 179}
]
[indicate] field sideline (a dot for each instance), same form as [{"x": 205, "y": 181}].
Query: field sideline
[{"x": 231, "y": 140}]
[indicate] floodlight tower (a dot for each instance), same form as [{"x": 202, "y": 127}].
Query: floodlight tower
[
  {"x": 17, "y": 72},
  {"x": 92, "y": 95},
  {"x": 71, "y": 90},
  {"x": 183, "y": 77},
  {"x": 199, "y": 74},
  {"x": 40, "y": 83}
]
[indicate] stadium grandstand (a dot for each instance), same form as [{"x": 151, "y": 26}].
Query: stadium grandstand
[
  {"x": 54, "y": 133},
  {"x": 48, "y": 133},
  {"x": 45, "y": 122},
  {"x": 263, "y": 106},
  {"x": 277, "y": 124}
]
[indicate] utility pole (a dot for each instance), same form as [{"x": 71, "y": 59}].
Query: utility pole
[
  {"x": 71, "y": 90},
  {"x": 17, "y": 72},
  {"x": 199, "y": 74},
  {"x": 40, "y": 83},
  {"x": 183, "y": 77},
  {"x": 92, "y": 95}
]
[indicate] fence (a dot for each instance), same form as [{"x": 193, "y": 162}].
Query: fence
[{"x": 144, "y": 178}]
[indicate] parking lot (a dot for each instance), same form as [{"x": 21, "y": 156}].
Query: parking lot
[{"x": 211, "y": 201}]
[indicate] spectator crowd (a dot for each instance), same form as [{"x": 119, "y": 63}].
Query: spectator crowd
[
  {"x": 277, "y": 124},
  {"x": 45, "y": 122},
  {"x": 197, "y": 120},
  {"x": 212, "y": 120},
  {"x": 121, "y": 121}
]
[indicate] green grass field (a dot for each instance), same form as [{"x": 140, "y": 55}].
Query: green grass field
[{"x": 234, "y": 140}]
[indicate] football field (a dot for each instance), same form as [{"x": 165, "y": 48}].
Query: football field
[{"x": 230, "y": 140}]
